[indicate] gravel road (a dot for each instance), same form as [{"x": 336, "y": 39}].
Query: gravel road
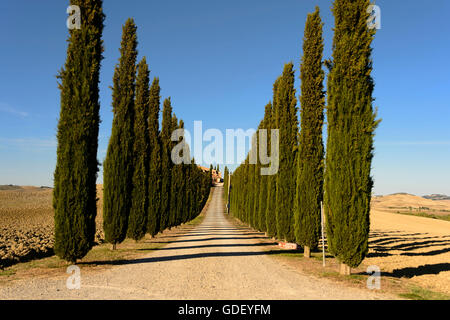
[{"x": 215, "y": 260}]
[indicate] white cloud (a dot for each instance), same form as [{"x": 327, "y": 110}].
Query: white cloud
[
  {"x": 28, "y": 142},
  {"x": 8, "y": 109}
]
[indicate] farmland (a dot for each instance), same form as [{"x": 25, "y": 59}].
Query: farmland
[{"x": 26, "y": 224}]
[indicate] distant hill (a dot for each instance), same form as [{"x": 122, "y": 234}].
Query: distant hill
[
  {"x": 437, "y": 197},
  {"x": 404, "y": 201},
  {"x": 10, "y": 187}
]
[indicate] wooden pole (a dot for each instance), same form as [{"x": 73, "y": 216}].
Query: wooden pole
[{"x": 323, "y": 239}]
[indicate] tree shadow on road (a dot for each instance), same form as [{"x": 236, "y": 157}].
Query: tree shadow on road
[
  {"x": 190, "y": 256},
  {"x": 211, "y": 239},
  {"x": 215, "y": 246}
]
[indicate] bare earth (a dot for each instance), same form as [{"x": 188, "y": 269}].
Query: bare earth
[
  {"x": 411, "y": 247},
  {"x": 215, "y": 260}
]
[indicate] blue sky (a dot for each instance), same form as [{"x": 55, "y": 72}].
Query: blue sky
[{"x": 218, "y": 60}]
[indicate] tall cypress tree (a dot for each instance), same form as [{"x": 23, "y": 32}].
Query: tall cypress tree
[
  {"x": 180, "y": 173},
  {"x": 155, "y": 174},
  {"x": 74, "y": 196},
  {"x": 226, "y": 186},
  {"x": 311, "y": 151},
  {"x": 351, "y": 125},
  {"x": 252, "y": 182},
  {"x": 118, "y": 166},
  {"x": 244, "y": 188},
  {"x": 166, "y": 164},
  {"x": 137, "y": 221},
  {"x": 264, "y": 180},
  {"x": 288, "y": 126},
  {"x": 174, "y": 180},
  {"x": 187, "y": 186},
  {"x": 271, "y": 220},
  {"x": 211, "y": 172}
]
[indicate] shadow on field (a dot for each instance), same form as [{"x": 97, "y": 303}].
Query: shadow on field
[
  {"x": 418, "y": 271},
  {"x": 404, "y": 243}
]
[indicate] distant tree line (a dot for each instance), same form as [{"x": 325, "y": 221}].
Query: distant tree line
[
  {"x": 287, "y": 206},
  {"x": 144, "y": 191}
]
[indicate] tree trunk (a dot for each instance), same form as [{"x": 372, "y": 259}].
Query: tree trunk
[
  {"x": 307, "y": 252},
  {"x": 345, "y": 269},
  {"x": 114, "y": 246}
]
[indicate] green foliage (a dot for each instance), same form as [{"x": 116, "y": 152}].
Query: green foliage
[
  {"x": 118, "y": 165},
  {"x": 166, "y": 164},
  {"x": 310, "y": 159},
  {"x": 226, "y": 181},
  {"x": 252, "y": 184},
  {"x": 74, "y": 196},
  {"x": 137, "y": 221},
  {"x": 210, "y": 172},
  {"x": 287, "y": 123},
  {"x": 264, "y": 179},
  {"x": 155, "y": 168},
  {"x": 351, "y": 126},
  {"x": 177, "y": 187},
  {"x": 174, "y": 178},
  {"x": 271, "y": 219}
]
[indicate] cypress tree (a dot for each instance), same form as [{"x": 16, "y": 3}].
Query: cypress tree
[
  {"x": 311, "y": 151},
  {"x": 166, "y": 164},
  {"x": 182, "y": 200},
  {"x": 263, "y": 179},
  {"x": 252, "y": 183},
  {"x": 177, "y": 188},
  {"x": 286, "y": 182},
  {"x": 137, "y": 221},
  {"x": 191, "y": 190},
  {"x": 210, "y": 172},
  {"x": 118, "y": 166},
  {"x": 155, "y": 174},
  {"x": 271, "y": 221},
  {"x": 225, "y": 185},
  {"x": 351, "y": 126},
  {"x": 74, "y": 195},
  {"x": 187, "y": 189},
  {"x": 174, "y": 180},
  {"x": 247, "y": 190}
]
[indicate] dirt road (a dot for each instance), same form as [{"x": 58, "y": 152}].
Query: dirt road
[{"x": 215, "y": 260}]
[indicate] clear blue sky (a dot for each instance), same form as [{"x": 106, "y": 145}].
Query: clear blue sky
[{"x": 218, "y": 61}]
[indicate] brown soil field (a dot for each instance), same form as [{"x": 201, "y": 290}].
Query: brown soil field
[
  {"x": 26, "y": 224},
  {"x": 403, "y": 246}
]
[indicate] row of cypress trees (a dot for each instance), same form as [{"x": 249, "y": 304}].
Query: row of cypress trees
[
  {"x": 287, "y": 205},
  {"x": 144, "y": 192}
]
